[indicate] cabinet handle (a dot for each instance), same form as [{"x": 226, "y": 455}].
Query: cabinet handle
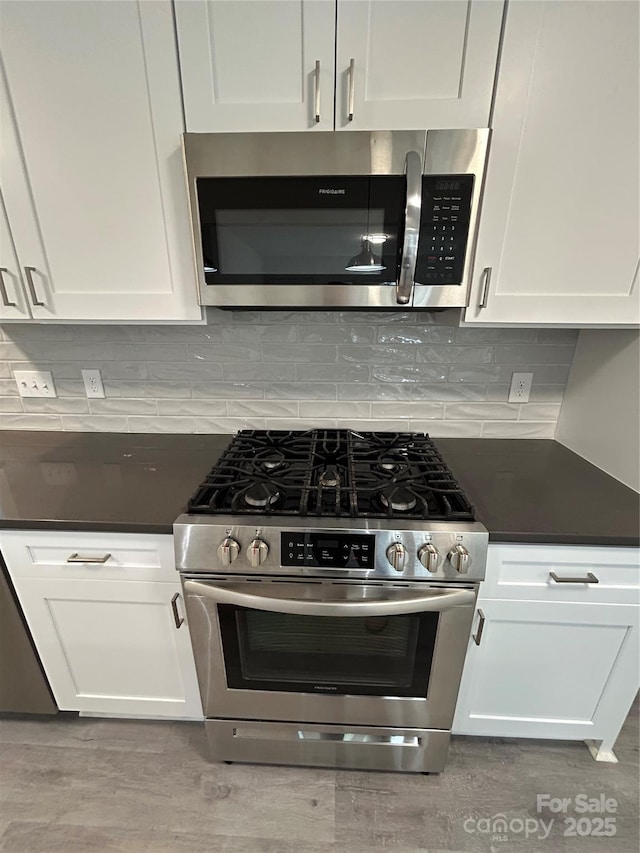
[
  {"x": 28, "y": 271},
  {"x": 478, "y": 635},
  {"x": 3, "y": 290},
  {"x": 486, "y": 274},
  {"x": 352, "y": 89},
  {"x": 78, "y": 558},
  {"x": 317, "y": 92},
  {"x": 174, "y": 606},
  {"x": 590, "y": 578}
]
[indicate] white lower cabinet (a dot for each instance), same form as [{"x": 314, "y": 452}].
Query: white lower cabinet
[
  {"x": 561, "y": 665},
  {"x": 109, "y": 645}
]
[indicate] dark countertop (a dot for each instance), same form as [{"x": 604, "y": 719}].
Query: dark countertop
[
  {"x": 538, "y": 491},
  {"x": 524, "y": 490}
]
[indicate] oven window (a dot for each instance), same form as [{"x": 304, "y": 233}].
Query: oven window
[{"x": 376, "y": 656}]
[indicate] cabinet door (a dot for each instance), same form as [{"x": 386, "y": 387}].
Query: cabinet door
[
  {"x": 91, "y": 168},
  {"x": 112, "y": 647},
  {"x": 415, "y": 63},
  {"x": 566, "y": 671},
  {"x": 13, "y": 303},
  {"x": 559, "y": 227},
  {"x": 253, "y": 65}
]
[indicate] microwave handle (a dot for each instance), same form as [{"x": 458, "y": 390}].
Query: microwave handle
[{"x": 412, "y": 212}]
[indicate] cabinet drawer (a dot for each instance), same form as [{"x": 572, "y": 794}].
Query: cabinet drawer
[
  {"x": 558, "y": 573},
  {"x": 108, "y": 556}
]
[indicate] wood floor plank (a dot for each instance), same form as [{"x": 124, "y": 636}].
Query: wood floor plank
[{"x": 83, "y": 786}]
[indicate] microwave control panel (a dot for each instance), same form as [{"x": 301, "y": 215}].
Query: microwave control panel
[{"x": 444, "y": 228}]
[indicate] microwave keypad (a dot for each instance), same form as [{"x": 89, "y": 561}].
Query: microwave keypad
[{"x": 444, "y": 228}]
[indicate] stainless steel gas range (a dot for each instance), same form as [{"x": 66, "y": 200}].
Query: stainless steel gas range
[{"x": 330, "y": 579}]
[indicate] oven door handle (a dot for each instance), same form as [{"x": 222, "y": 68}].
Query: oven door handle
[
  {"x": 395, "y": 604},
  {"x": 412, "y": 213}
]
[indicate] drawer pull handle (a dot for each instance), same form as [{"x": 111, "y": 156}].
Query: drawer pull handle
[
  {"x": 78, "y": 558},
  {"x": 590, "y": 578},
  {"x": 477, "y": 637},
  {"x": 174, "y": 606}
]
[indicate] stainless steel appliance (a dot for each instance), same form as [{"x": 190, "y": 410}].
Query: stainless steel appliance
[
  {"x": 380, "y": 219},
  {"x": 23, "y": 686},
  {"x": 330, "y": 580}
]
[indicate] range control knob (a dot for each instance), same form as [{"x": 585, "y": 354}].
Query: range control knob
[
  {"x": 257, "y": 553},
  {"x": 429, "y": 556},
  {"x": 397, "y": 556},
  {"x": 460, "y": 558},
  {"x": 228, "y": 551}
]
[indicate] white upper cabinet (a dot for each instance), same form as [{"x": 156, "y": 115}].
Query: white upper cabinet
[
  {"x": 415, "y": 63},
  {"x": 13, "y": 302},
  {"x": 559, "y": 229},
  {"x": 271, "y": 64},
  {"x": 90, "y": 168},
  {"x": 257, "y": 64}
]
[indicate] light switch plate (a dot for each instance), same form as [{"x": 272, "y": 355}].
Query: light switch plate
[{"x": 35, "y": 383}]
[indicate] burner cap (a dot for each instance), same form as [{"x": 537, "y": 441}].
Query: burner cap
[
  {"x": 261, "y": 495},
  {"x": 330, "y": 477},
  {"x": 392, "y": 465},
  {"x": 400, "y": 500},
  {"x": 272, "y": 460}
]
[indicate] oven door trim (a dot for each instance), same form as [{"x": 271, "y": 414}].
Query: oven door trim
[{"x": 434, "y": 712}]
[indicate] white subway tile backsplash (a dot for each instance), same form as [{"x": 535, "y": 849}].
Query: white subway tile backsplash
[
  {"x": 228, "y": 390},
  {"x": 448, "y": 429},
  {"x": 22, "y": 421},
  {"x": 448, "y": 392},
  {"x": 91, "y": 423},
  {"x": 300, "y": 391},
  {"x": 333, "y": 372},
  {"x": 262, "y": 409},
  {"x": 540, "y": 412},
  {"x": 11, "y": 404},
  {"x": 543, "y": 354},
  {"x": 381, "y": 354},
  {"x": 412, "y": 370},
  {"x": 454, "y": 354},
  {"x": 210, "y": 408},
  {"x": 8, "y": 388},
  {"x": 521, "y": 429},
  {"x": 410, "y": 373},
  {"x": 419, "y": 411},
  {"x": 123, "y": 406},
  {"x": 299, "y": 353},
  {"x": 254, "y": 371},
  {"x": 374, "y": 391},
  {"x": 342, "y": 409},
  {"x": 223, "y": 352},
  {"x": 416, "y": 335},
  {"x": 334, "y": 334},
  {"x": 57, "y": 405},
  {"x": 183, "y": 372},
  {"x": 482, "y": 411}
]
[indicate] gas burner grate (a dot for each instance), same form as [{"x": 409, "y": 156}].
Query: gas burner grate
[{"x": 333, "y": 474}]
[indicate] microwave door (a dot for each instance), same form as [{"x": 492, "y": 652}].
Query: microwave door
[{"x": 412, "y": 214}]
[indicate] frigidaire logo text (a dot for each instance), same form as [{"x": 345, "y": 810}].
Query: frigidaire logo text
[{"x": 332, "y": 192}]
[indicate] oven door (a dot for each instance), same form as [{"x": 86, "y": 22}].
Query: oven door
[{"x": 329, "y": 651}]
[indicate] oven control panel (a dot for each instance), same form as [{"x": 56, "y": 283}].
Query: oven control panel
[{"x": 330, "y": 550}]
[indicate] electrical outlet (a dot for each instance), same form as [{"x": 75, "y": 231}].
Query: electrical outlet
[
  {"x": 93, "y": 383},
  {"x": 520, "y": 387},
  {"x": 35, "y": 383}
]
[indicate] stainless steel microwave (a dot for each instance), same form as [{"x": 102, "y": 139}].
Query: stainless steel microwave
[{"x": 380, "y": 219}]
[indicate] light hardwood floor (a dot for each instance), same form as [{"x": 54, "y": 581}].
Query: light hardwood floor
[{"x": 71, "y": 785}]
